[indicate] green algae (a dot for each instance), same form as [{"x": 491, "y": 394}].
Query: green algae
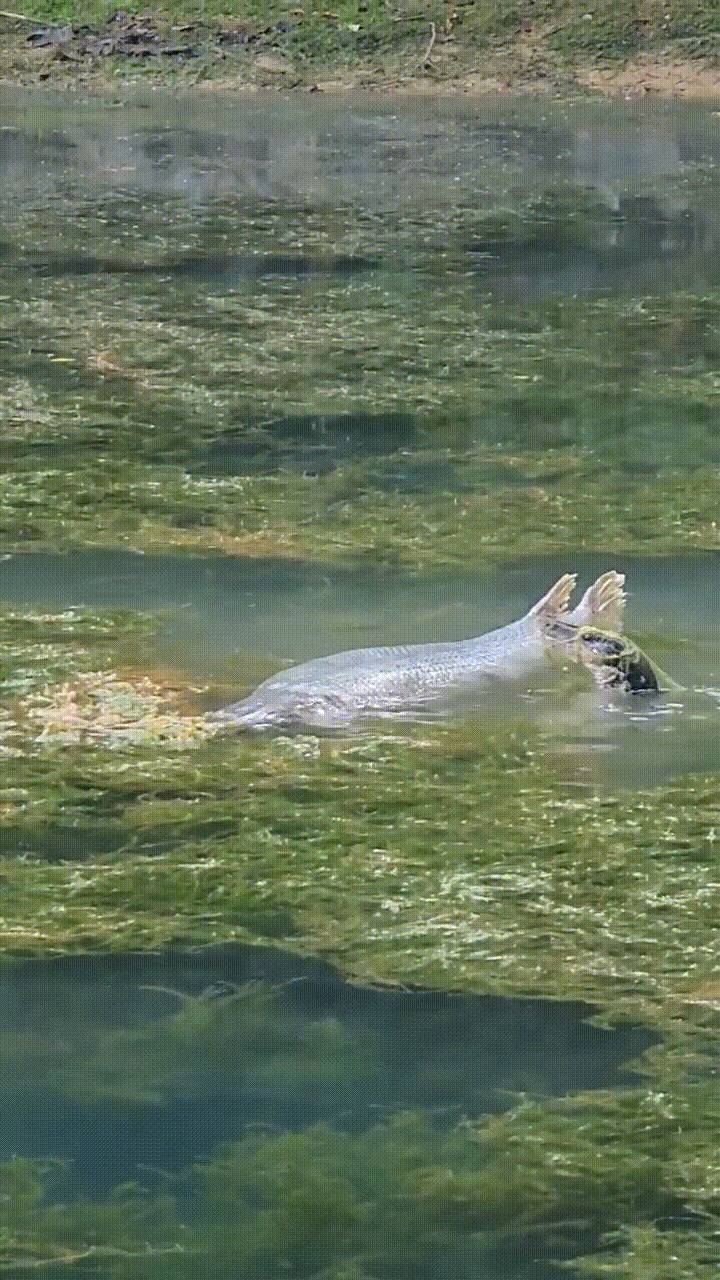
[
  {"x": 442, "y": 861},
  {"x": 203, "y": 1038},
  {"x": 125, "y": 384},
  {"x": 389, "y": 1200},
  {"x": 342, "y": 519},
  {"x": 447, "y": 857},
  {"x": 476, "y": 857},
  {"x": 651, "y": 1252}
]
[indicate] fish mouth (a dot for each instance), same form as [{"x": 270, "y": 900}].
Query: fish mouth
[{"x": 614, "y": 660}]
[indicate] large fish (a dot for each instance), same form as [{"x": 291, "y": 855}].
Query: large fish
[{"x": 330, "y": 693}]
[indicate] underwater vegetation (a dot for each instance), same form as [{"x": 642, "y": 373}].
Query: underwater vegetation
[
  {"x": 338, "y": 417},
  {"x": 389, "y": 1201},
  {"x": 442, "y": 857},
  {"x": 267, "y": 378}
]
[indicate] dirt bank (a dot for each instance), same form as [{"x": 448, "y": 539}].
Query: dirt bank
[{"x": 410, "y": 54}]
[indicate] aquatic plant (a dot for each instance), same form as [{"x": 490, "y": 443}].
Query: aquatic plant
[
  {"x": 157, "y": 415},
  {"x": 332, "y": 417},
  {"x": 388, "y": 1201}
]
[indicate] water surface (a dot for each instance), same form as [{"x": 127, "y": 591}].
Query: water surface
[
  {"x": 505, "y": 272},
  {"x": 379, "y": 348},
  {"x": 133, "y": 1069}
]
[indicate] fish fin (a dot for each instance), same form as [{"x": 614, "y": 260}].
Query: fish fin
[
  {"x": 557, "y": 600},
  {"x": 603, "y": 603}
]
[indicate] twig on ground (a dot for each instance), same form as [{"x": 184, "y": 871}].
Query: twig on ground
[
  {"x": 426, "y": 60},
  {"x": 23, "y": 17}
]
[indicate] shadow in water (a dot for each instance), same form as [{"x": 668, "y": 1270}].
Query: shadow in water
[
  {"x": 217, "y": 268},
  {"x": 313, "y": 444}
]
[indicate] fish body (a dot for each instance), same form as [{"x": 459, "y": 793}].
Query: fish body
[{"x": 330, "y": 693}]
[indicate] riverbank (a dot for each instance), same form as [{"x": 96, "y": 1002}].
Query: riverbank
[{"x": 468, "y": 49}]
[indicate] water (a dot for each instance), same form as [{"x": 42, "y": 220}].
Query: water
[
  {"x": 135, "y": 1068},
  {"x": 502, "y": 274},
  {"x": 452, "y": 1055},
  {"x": 328, "y": 336},
  {"x": 240, "y": 621}
]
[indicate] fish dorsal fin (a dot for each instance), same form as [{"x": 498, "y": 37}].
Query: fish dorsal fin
[
  {"x": 556, "y": 602},
  {"x": 603, "y": 603}
]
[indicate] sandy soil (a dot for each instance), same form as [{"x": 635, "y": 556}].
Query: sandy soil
[
  {"x": 204, "y": 55},
  {"x": 665, "y": 77}
]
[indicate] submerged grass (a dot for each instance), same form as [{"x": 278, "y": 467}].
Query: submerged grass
[
  {"x": 339, "y": 419},
  {"x": 385, "y": 1202},
  {"x": 343, "y": 519},
  {"x": 437, "y": 860},
  {"x": 389, "y": 1199},
  {"x": 345, "y": 420},
  {"x": 459, "y": 857},
  {"x": 445, "y": 855}
]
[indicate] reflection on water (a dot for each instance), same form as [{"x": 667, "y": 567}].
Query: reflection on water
[
  {"x": 138, "y": 1067},
  {"x": 637, "y": 248},
  {"x": 243, "y": 619},
  {"x": 184, "y": 280},
  {"x": 499, "y": 158},
  {"x": 338, "y": 149}
]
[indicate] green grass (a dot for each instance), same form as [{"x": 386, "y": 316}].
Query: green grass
[{"x": 386, "y": 40}]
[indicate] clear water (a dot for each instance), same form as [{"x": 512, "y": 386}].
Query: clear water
[
  {"x": 241, "y": 620},
  {"x": 134, "y": 1069},
  {"x": 393, "y": 302},
  {"x": 452, "y": 1055},
  {"x": 533, "y": 275}
]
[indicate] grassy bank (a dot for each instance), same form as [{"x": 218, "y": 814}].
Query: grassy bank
[{"x": 470, "y": 45}]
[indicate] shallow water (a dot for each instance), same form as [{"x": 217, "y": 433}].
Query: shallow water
[
  {"x": 242, "y": 620},
  {"x": 331, "y": 334},
  {"x": 136, "y": 1068},
  {"x": 453, "y": 1055},
  {"x": 499, "y": 273}
]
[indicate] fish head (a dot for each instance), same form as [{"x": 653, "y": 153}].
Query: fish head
[{"x": 615, "y": 661}]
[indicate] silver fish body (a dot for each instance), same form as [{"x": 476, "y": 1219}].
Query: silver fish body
[{"x": 329, "y": 693}]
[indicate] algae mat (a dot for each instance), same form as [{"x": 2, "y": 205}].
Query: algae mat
[
  {"x": 341, "y": 333},
  {"x": 490, "y": 856},
  {"x": 288, "y": 340}
]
